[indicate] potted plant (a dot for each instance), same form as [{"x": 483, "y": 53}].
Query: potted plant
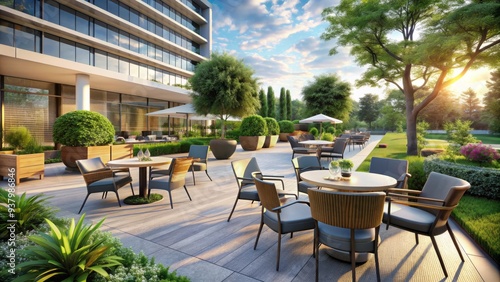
[
  {"x": 27, "y": 159},
  {"x": 346, "y": 167},
  {"x": 253, "y": 131},
  {"x": 286, "y": 128},
  {"x": 84, "y": 135},
  {"x": 224, "y": 86},
  {"x": 273, "y": 131}
]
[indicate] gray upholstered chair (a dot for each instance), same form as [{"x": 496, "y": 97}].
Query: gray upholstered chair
[
  {"x": 397, "y": 169},
  {"x": 159, "y": 171},
  {"x": 335, "y": 152},
  {"x": 243, "y": 170},
  {"x": 302, "y": 164},
  {"x": 101, "y": 179},
  {"x": 199, "y": 153},
  {"x": 299, "y": 148},
  {"x": 428, "y": 212},
  {"x": 291, "y": 217},
  {"x": 348, "y": 222},
  {"x": 176, "y": 178}
]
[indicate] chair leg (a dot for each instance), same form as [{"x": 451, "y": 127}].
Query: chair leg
[
  {"x": 416, "y": 238},
  {"x": 84, "y": 201},
  {"x": 206, "y": 171},
  {"x": 454, "y": 240},
  {"x": 234, "y": 206},
  {"x": 118, "y": 197},
  {"x": 316, "y": 252},
  {"x": 375, "y": 248},
  {"x": 439, "y": 255},
  {"x": 353, "y": 256},
  {"x": 185, "y": 188},
  {"x": 258, "y": 233},
  {"x": 132, "y": 188},
  {"x": 279, "y": 252},
  {"x": 194, "y": 180},
  {"x": 170, "y": 197}
]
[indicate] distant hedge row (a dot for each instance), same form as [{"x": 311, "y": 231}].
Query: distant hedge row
[{"x": 159, "y": 149}]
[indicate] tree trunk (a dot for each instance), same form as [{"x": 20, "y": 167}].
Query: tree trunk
[{"x": 411, "y": 134}]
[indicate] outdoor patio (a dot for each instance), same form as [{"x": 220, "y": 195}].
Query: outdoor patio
[{"x": 196, "y": 240}]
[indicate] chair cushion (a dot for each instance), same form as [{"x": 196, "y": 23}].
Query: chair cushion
[
  {"x": 409, "y": 217},
  {"x": 303, "y": 186},
  {"x": 106, "y": 184},
  {"x": 160, "y": 183},
  {"x": 296, "y": 217},
  {"x": 160, "y": 172},
  {"x": 340, "y": 238},
  {"x": 198, "y": 166},
  {"x": 249, "y": 192},
  {"x": 304, "y": 150}
]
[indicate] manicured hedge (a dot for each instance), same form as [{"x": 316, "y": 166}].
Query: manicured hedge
[{"x": 484, "y": 181}]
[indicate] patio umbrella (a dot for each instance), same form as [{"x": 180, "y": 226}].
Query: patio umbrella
[{"x": 320, "y": 118}]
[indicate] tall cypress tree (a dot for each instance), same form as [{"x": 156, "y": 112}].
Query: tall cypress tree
[
  {"x": 283, "y": 109},
  {"x": 271, "y": 103},
  {"x": 263, "y": 103},
  {"x": 288, "y": 105}
]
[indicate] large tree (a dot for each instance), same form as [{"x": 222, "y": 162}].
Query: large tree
[
  {"x": 263, "y": 103},
  {"x": 369, "y": 109},
  {"x": 441, "y": 110},
  {"x": 271, "y": 103},
  {"x": 416, "y": 44},
  {"x": 492, "y": 102},
  {"x": 471, "y": 107},
  {"x": 288, "y": 105},
  {"x": 283, "y": 108},
  {"x": 328, "y": 95},
  {"x": 224, "y": 86}
]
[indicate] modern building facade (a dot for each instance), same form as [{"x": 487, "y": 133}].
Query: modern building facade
[{"x": 122, "y": 59}]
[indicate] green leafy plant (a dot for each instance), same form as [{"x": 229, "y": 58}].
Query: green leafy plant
[
  {"x": 326, "y": 136},
  {"x": 458, "y": 135},
  {"x": 286, "y": 126},
  {"x": 83, "y": 128},
  {"x": 346, "y": 164},
  {"x": 22, "y": 141},
  {"x": 29, "y": 212},
  {"x": 253, "y": 125},
  {"x": 67, "y": 254},
  {"x": 273, "y": 126},
  {"x": 314, "y": 131},
  {"x": 421, "y": 130}
]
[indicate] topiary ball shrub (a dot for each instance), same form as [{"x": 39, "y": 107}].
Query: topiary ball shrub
[
  {"x": 314, "y": 131},
  {"x": 273, "y": 126},
  {"x": 286, "y": 126},
  {"x": 253, "y": 125},
  {"x": 327, "y": 137},
  {"x": 82, "y": 129}
]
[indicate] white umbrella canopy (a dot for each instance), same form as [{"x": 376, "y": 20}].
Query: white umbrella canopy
[
  {"x": 187, "y": 111},
  {"x": 321, "y": 118}
]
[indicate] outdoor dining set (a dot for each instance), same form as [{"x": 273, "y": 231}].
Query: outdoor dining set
[{"x": 345, "y": 213}]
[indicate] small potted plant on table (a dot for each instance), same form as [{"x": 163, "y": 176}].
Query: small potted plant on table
[{"x": 346, "y": 167}]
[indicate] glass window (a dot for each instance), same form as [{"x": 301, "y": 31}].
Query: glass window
[
  {"x": 113, "y": 7},
  {"x": 67, "y": 17},
  {"x": 82, "y": 23},
  {"x": 134, "y": 16},
  {"x": 124, "y": 65},
  {"x": 103, "y": 4},
  {"x": 124, "y": 12},
  {"x": 143, "y": 47},
  {"x": 24, "y": 38},
  {"x": 151, "y": 50},
  {"x": 68, "y": 50},
  {"x": 124, "y": 39},
  {"x": 143, "y": 71},
  {"x": 143, "y": 21},
  {"x": 158, "y": 29},
  {"x": 134, "y": 69},
  {"x": 166, "y": 56},
  {"x": 112, "y": 62},
  {"x": 51, "y": 45},
  {"x": 100, "y": 59},
  {"x": 51, "y": 11},
  {"x": 159, "y": 76},
  {"x": 159, "y": 53},
  {"x": 112, "y": 35},
  {"x": 151, "y": 25},
  {"x": 166, "y": 78},
  {"x": 82, "y": 54},
  {"x": 6, "y": 33},
  {"x": 24, "y": 6},
  {"x": 100, "y": 30},
  {"x": 134, "y": 43},
  {"x": 151, "y": 73}
]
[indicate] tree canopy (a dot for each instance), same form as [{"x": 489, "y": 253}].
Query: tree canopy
[
  {"x": 415, "y": 45},
  {"x": 328, "y": 95},
  {"x": 223, "y": 86},
  {"x": 492, "y": 102},
  {"x": 263, "y": 103},
  {"x": 283, "y": 105},
  {"x": 271, "y": 103},
  {"x": 369, "y": 109}
]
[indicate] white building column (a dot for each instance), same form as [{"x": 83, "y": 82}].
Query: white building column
[{"x": 82, "y": 92}]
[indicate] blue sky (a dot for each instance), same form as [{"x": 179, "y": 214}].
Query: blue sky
[{"x": 281, "y": 41}]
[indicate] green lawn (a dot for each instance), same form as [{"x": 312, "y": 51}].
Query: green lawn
[
  {"x": 486, "y": 139},
  {"x": 478, "y": 216}
]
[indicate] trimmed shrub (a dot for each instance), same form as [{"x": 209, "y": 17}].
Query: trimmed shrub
[
  {"x": 286, "y": 126},
  {"x": 273, "y": 127},
  {"x": 18, "y": 137},
  {"x": 83, "y": 128},
  {"x": 478, "y": 152},
  {"x": 484, "y": 181},
  {"x": 327, "y": 137},
  {"x": 253, "y": 125},
  {"x": 330, "y": 130},
  {"x": 418, "y": 176},
  {"x": 313, "y": 131}
]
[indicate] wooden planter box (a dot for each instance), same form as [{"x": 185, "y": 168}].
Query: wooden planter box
[
  {"x": 122, "y": 151},
  {"x": 23, "y": 165},
  {"x": 69, "y": 155}
]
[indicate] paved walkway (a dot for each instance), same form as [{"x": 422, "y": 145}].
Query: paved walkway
[{"x": 196, "y": 240}]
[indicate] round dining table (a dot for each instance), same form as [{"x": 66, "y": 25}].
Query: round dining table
[
  {"x": 317, "y": 143},
  {"x": 142, "y": 165},
  {"x": 358, "y": 182}
]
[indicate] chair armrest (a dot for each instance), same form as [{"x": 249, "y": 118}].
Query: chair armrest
[
  {"x": 289, "y": 204},
  {"x": 414, "y": 198},
  {"x": 244, "y": 178},
  {"x": 283, "y": 193},
  {"x": 405, "y": 191},
  {"x": 422, "y": 205},
  {"x": 268, "y": 176}
]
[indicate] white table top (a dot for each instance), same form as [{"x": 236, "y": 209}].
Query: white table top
[
  {"x": 359, "y": 181},
  {"x": 134, "y": 162},
  {"x": 316, "y": 142}
]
